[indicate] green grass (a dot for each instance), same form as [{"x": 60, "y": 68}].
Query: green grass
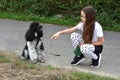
[
  {"x": 50, "y": 72},
  {"x": 3, "y": 59},
  {"x": 42, "y": 19},
  {"x": 89, "y": 76},
  {"x": 52, "y": 20}
]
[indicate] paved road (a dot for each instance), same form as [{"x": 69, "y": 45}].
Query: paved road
[{"x": 12, "y": 40}]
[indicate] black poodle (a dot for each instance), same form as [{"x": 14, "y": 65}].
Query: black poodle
[{"x": 34, "y": 48}]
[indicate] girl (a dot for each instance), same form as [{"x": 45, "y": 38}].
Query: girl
[{"x": 90, "y": 42}]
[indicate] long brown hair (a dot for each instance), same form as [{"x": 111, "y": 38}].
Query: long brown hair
[{"x": 89, "y": 24}]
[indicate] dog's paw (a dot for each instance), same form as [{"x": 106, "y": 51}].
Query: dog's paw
[
  {"x": 42, "y": 61},
  {"x": 34, "y": 61}
]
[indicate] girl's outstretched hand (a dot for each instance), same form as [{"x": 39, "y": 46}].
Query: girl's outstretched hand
[{"x": 55, "y": 36}]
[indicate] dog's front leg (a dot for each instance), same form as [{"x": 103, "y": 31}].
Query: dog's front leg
[
  {"x": 40, "y": 51},
  {"x": 32, "y": 51}
]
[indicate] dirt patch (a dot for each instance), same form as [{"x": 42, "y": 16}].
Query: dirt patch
[
  {"x": 12, "y": 72},
  {"x": 12, "y": 68}
]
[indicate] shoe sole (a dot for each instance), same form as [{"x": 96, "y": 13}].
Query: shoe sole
[
  {"x": 99, "y": 61},
  {"x": 79, "y": 61}
]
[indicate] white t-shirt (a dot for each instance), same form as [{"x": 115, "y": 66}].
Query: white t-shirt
[{"x": 98, "y": 32}]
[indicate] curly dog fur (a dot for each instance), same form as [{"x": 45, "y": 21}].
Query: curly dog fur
[{"x": 34, "y": 48}]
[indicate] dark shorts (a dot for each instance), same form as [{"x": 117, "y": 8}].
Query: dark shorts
[{"x": 98, "y": 49}]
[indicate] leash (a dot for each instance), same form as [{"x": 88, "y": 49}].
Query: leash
[{"x": 55, "y": 54}]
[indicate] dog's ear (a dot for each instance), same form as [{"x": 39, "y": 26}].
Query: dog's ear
[
  {"x": 29, "y": 36},
  {"x": 40, "y": 26}
]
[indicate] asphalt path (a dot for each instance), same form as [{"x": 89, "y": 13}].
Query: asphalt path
[{"x": 12, "y": 40}]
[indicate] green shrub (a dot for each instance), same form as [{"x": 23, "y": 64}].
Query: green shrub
[{"x": 108, "y": 12}]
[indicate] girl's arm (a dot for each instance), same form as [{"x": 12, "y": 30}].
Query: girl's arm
[
  {"x": 66, "y": 31},
  {"x": 99, "y": 42}
]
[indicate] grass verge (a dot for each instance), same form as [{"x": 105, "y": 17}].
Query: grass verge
[
  {"x": 52, "y": 20},
  {"x": 42, "y": 19},
  {"x": 12, "y": 68}
]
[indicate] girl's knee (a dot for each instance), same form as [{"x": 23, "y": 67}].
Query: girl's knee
[{"x": 76, "y": 36}]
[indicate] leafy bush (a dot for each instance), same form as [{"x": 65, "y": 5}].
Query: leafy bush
[{"x": 108, "y": 12}]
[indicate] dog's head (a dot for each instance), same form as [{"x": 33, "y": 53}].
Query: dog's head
[
  {"x": 35, "y": 26},
  {"x": 34, "y": 31}
]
